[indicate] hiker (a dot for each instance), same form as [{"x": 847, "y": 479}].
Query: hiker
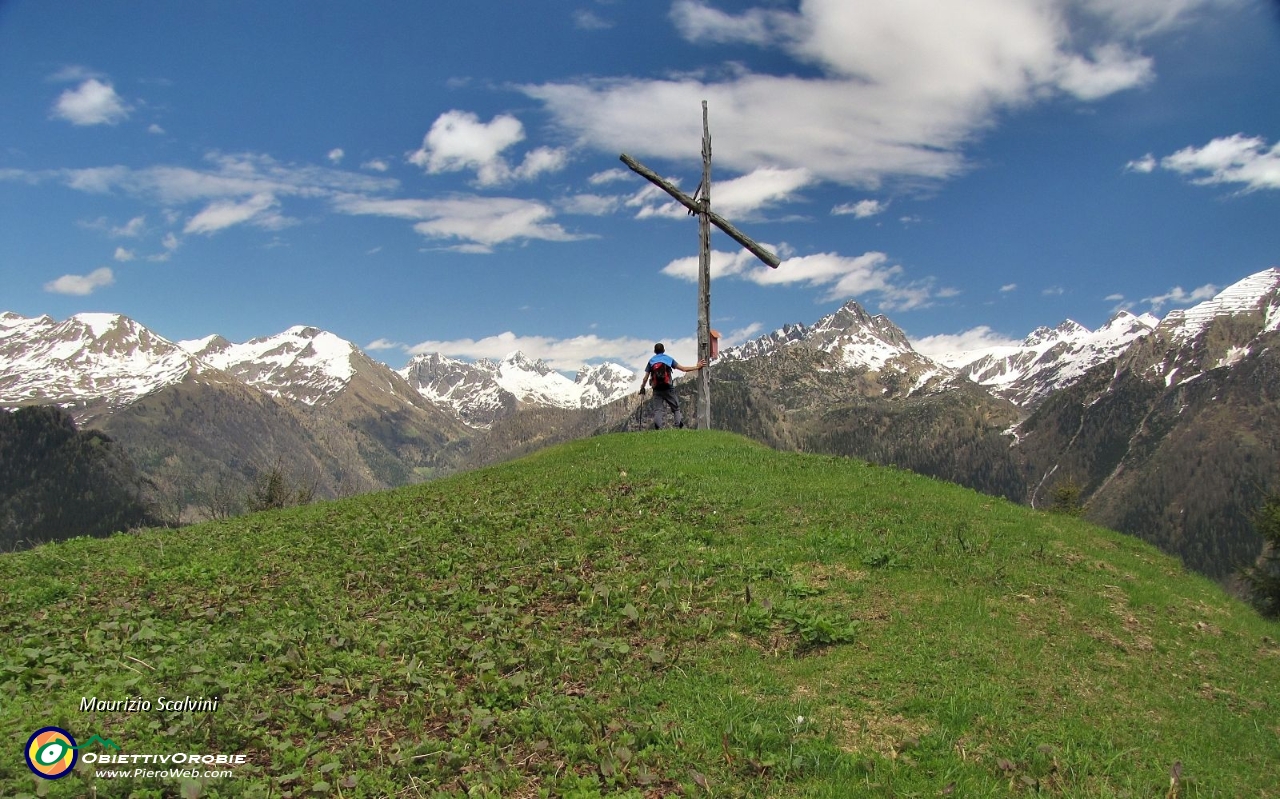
[{"x": 657, "y": 373}]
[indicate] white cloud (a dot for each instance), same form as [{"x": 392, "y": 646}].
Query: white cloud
[
  {"x": 587, "y": 20},
  {"x": 1053, "y": 291},
  {"x": 478, "y": 222},
  {"x": 540, "y": 161},
  {"x": 568, "y": 354},
  {"x": 1147, "y": 17},
  {"x": 565, "y": 354},
  {"x": 733, "y": 199},
  {"x": 156, "y": 129},
  {"x": 590, "y": 204},
  {"x": 384, "y": 344},
  {"x": 1144, "y": 165},
  {"x": 81, "y": 285},
  {"x": 376, "y": 165},
  {"x": 842, "y": 277},
  {"x": 1178, "y": 296},
  {"x": 900, "y": 87},
  {"x": 91, "y": 103},
  {"x": 1239, "y": 159},
  {"x": 943, "y": 346},
  {"x": 73, "y": 73},
  {"x": 610, "y": 176},
  {"x": 124, "y": 255},
  {"x": 698, "y": 22},
  {"x": 336, "y": 155},
  {"x": 259, "y": 210},
  {"x": 861, "y": 209},
  {"x": 1111, "y": 69},
  {"x": 131, "y": 229},
  {"x": 171, "y": 243},
  {"x": 1008, "y": 287},
  {"x": 238, "y": 175},
  {"x": 459, "y": 141}
]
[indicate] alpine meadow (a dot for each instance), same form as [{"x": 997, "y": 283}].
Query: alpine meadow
[
  {"x": 642, "y": 615},
  {"x": 600, "y": 399}
]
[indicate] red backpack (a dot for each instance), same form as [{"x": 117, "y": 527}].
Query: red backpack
[{"x": 660, "y": 376}]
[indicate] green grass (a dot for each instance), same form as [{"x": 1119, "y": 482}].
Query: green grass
[{"x": 647, "y": 615}]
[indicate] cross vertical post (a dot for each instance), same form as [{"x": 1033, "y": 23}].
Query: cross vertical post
[
  {"x": 704, "y": 280},
  {"x": 700, "y": 205}
]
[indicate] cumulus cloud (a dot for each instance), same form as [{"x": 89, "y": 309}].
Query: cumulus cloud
[
  {"x": 1109, "y": 69},
  {"x": 479, "y": 223},
  {"x": 93, "y": 102},
  {"x": 861, "y": 209},
  {"x": 949, "y": 346},
  {"x": 1240, "y": 159},
  {"x": 1179, "y": 297},
  {"x": 122, "y": 255},
  {"x": 878, "y": 90},
  {"x": 459, "y": 141},
  {"x": 376, "y": 165},
  {"x": 81, "y": 285},
  {"x": 336, "y": 155}
]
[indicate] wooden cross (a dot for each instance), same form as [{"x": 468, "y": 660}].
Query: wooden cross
[{"x": 700, "y": 204}]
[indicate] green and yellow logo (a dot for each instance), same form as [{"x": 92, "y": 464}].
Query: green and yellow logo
[{"x": 51, "y": 752}]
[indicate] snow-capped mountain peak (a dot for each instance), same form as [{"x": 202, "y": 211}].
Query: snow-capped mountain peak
[
  {"x": 305, "y": 364},
  {"x": 484, "y": 391},
  {"x": 1050, "y": 358},
  {"x": 89, "y": 357}
]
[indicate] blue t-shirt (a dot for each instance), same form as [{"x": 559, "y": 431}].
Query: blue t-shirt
[{"x": 661, "y": 358}]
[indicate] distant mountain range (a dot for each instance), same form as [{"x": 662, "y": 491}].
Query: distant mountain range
[{"x": 1102, "y": 408}]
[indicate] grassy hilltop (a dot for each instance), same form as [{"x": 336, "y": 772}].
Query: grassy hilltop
[{"x": 647, "y": 615}]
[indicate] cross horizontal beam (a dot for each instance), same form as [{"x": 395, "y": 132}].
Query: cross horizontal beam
[{"x": 695, "y": 207}]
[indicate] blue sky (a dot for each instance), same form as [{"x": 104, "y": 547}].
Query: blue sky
[{"x": 420, "y": 176}]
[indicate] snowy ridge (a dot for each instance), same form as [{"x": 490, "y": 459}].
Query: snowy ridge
[
  {"x": 859, "y": 342},
  {"x": 304, "y": 364},
  {"x": 1245, "y": 296},
  {"x": 88, "y": 357},
  {"x": 482, "y": 392},
  {"x": 1049, "y": 358}
]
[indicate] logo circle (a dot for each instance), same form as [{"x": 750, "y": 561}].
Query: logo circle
[{"x": 51, "y": 752}]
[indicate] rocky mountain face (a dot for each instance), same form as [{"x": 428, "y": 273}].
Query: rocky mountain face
[
  {"x": 206, "y": 416},
  {"x": 1177, "y": 440},
  {"x": 852, "y": 384}
]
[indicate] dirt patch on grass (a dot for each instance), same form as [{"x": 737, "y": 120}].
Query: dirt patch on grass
[{"x": 873, "y": 730}]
